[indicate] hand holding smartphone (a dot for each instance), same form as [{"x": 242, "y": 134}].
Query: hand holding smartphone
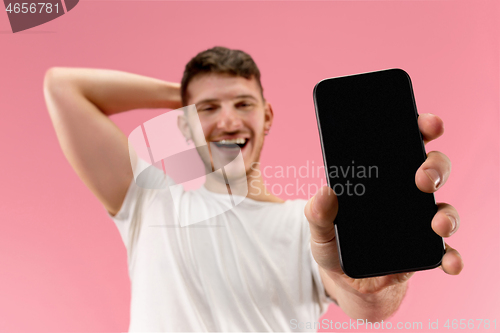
[{"x": 372, "y": 148}]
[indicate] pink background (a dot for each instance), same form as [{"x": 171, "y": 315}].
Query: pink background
[{"x": 63, "y": 265}]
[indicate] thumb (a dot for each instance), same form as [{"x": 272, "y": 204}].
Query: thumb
[{"x": 320, "y": 211}]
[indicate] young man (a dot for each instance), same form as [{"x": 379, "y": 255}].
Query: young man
[{"x": 250, "y": 268}]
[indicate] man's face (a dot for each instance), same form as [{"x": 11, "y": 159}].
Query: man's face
[{"x": 231, "y": 111}]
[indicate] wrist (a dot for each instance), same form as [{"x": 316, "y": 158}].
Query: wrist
[
  {"x": 171, "y": 95},
  {"x": 374, "y": 306}
]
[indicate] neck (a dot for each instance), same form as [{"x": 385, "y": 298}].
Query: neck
[{"x": 256, "y": 186}]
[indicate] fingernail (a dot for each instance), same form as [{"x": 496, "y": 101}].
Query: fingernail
[
  {"x": 453, "y": 222},
  {"x": 433, "y": 176}
]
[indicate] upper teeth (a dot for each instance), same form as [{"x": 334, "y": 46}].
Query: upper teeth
[{"x": 233, "y": 141}]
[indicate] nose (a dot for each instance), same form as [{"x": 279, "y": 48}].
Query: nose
[{"x": 229, "y": 119}]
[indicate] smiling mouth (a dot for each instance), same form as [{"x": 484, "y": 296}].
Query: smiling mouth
[{"x": 231, "y": 143}]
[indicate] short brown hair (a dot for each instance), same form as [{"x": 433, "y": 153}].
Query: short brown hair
[{"x": 220, "y": 60}]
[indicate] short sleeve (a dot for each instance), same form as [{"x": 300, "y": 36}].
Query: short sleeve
[
  {"x": 122, "y": 219},
  {"x": 129, "y": 218}
]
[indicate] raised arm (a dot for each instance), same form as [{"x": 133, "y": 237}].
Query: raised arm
[{"x": 79, "y": 101}]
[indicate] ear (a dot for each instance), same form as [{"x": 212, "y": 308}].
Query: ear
[
  {"x": 183, "y": 126},
  {"x": 268, "y": 116}
]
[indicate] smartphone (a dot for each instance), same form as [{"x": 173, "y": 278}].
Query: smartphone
[{"x": 372, "y": 148}]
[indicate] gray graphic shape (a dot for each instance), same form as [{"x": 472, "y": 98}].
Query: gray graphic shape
[
  {"x": 27, "y": 18},
  {"x": 70, "y": 4}
]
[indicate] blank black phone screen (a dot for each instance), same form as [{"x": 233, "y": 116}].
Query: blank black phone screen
[{"x": 372, "y": 148}]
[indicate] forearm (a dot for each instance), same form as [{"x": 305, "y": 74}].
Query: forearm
[
  {"x": 373, "y": 307},
  {"x": 115, "y": 91}
]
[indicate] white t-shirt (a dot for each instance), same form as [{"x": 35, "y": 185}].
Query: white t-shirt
[{"x": 247, "y": 269}]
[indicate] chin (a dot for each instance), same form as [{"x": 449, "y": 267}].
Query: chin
[{"x": 235, "y": 173}]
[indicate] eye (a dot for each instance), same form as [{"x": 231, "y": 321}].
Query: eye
[
  {"x": 208, "y": 108},
  {"x": 245, "y": 105}
]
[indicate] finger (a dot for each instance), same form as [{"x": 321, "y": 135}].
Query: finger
[
  {"x": 452, "y": 261},
  {"x": 431, "y": 126},
  {"x": 446, "y": 221},
  {"x": 320, "y": 211},
  {"x": 433, "y": 173}
]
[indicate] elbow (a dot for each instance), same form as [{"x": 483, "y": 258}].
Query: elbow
[
  {"x": 51, "y": 78},
  {"x": 56, "y": 84},
  {"x": 56, "y": 89}
]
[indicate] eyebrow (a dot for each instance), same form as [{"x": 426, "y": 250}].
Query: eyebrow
[{"x": 210, "y": 100}]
